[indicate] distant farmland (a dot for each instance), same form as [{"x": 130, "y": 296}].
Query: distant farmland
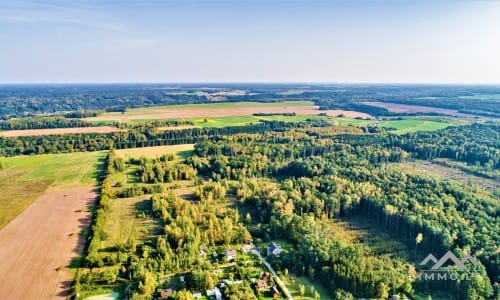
[
  {"x": 407, "y": 108},
  {"x": 51, "y": 131},
  {"x": 231, "y": 109}
]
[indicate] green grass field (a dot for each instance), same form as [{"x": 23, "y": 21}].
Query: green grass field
[
  {"x": 65, "y": 171},
  {"x": 350, "y": 121},
  {"x": 155, "y": 109},
  {"x": 25, "y": 178},
  {"x": 414, "y": 125},
  {"x": 400, "y": 126}
]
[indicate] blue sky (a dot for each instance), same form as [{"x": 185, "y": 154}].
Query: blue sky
[{"x": 250, "y": 41}]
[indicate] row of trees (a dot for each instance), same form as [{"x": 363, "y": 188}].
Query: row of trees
[{"x": 29, "y": 145}]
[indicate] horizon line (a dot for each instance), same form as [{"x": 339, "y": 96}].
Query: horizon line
[{"x": 247, "y": 82}]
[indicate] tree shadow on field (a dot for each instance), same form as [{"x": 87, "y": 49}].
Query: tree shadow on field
[{"x": 65, "y": 287}]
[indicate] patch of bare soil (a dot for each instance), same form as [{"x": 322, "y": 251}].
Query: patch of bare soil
[
  {"x": 38, "y": 245},
  {"x": 51, "y": 131},
  {"x": 406, "y": 108},
  {"x": 347, "y": 113}
]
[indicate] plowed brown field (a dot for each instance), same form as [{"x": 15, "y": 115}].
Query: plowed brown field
[
  {"x": 38, "y": 245},
  {"x": 49, "y": 131}
]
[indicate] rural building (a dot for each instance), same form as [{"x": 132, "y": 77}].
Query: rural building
[
  {"x": 273, "y": 249},
  {"x": 261, "y": 285},
  {"x": 215, "y": 292},
  {"x": 230, "y": 254}
]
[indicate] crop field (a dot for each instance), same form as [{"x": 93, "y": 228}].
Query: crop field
[
  {"x": 25, "y": 178},
  {"x": 52, "y": 131},
  {"x": 44, "y": 203},
  {"x": 37, "y": 247},
  {"x": 67, "y": 170},
  {"x": 17, "y": 194},
  {"x": 230, "y": 109},
  {"x": 180, "y": 151},
  {"x": 155, "y": 109},
  {"x": 407, "y": 108}
]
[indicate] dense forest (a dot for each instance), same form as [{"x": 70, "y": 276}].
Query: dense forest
[{"x": 291, "y": 184}]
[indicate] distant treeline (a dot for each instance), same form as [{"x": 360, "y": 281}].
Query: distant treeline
[
  {"x": 60, "y": 122},
  {"x": 29, "y": 145},
  {"x": 20, "y": 101},
  {"x": 43, "y": 122},
  {"x": 82, "y": 114}
]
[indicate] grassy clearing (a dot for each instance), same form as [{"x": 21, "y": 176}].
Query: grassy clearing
[
  {"x": 436, "y": 170},
  {"x": 293, "y": 284},
  {"x": 123, "y": 223},
  {"x": 180, "y": 151},
  {"x": 65, "y": 171},
  {"x": 155, "y": 109}
]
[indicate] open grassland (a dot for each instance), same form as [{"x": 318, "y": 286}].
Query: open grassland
[
  {"x": 53, "y": 131},
  {"x": 37, "y": 247},
  {"x": 180, "y": 151}
]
